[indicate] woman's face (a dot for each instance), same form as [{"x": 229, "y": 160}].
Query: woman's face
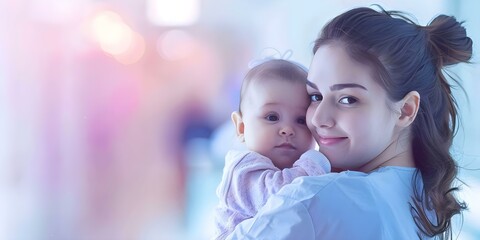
[{"x": 349, "y": 115}]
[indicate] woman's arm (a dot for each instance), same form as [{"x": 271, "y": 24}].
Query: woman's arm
[{"x": 281, "y": 218}]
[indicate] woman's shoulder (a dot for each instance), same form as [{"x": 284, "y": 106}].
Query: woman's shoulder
[
  {"x": 354, "y": 184},
  {"x": 381, "y": 196},
  {"x": 347, "y": 205}
]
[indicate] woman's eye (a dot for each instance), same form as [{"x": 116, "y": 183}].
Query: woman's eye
[
  {"x": 272, "y": 117},
  {"x": 348, "y": 100},
  {"x": 316, "y": 97}
]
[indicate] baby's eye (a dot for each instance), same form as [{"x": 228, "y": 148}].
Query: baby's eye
[
  {"x": 272, "y": 117},
  {"x": 348, "y": 100},
  {"x": 302, "y": 121},
  {"x": 316, "y": 97}
]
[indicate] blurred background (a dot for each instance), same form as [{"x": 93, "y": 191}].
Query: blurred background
[{"x": 115, "y": 114}]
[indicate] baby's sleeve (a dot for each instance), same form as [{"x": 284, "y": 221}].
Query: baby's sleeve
[
  {"x": 256, "y": 180},
  {"x": 313, "y": 163}
]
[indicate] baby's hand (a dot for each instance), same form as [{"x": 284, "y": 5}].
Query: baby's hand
[{"x": 318, "y": 157}]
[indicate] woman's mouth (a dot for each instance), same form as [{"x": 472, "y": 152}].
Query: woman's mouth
[{"x": 328, "y": 141}]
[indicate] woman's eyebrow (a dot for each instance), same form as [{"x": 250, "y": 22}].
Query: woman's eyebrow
[
  {"x": 337, "y": 87},
  {"x": 312, "y": 85}
]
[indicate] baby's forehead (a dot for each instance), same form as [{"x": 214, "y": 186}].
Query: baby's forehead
[
  {"x": 281, "y": 92},
  {"x": 274, "y": 80},
  {"x": 269, "y": 85}
]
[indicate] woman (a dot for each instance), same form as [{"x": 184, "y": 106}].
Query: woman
[{"x": 382, "y": 111}]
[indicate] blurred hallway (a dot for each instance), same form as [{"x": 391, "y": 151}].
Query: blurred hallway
[{"x": 115, "y": 115}]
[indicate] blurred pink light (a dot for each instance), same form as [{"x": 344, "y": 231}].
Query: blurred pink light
[
  {"x": 175, "y": 45},
  {"x": 109, "y": 30},
  {"x": 134, "y": 52},
  {"x": 115, "y": 37},
  {"x": 173, "y": 13}
]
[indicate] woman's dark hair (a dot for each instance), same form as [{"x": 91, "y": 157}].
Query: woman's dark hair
[{"x": 409, "y": 57}]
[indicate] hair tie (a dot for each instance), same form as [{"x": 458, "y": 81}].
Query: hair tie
[{"x": 269, "y": 54}]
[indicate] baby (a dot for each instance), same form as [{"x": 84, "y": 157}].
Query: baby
[{"x": 271, "y": 123}]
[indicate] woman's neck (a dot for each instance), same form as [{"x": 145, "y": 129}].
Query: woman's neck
[{"x": 398, "y": 153}]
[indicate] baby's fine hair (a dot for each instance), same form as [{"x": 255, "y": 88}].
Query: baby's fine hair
[
  {"x": 405, "y": 57},
  {"x": 278, "y": 69}
]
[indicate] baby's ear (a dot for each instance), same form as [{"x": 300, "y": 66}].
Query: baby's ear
[
  {"x": 409, "y": 109},
  {"x": 239, "y": 125}
]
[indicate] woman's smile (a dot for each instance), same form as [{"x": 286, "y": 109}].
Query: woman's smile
[{"x": 329, "y": 141}]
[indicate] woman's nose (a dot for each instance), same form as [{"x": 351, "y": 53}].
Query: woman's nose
[{"x": 322, "y": 117}]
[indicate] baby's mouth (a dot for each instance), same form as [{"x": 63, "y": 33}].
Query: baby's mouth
[{"x": 286, "y": 146}]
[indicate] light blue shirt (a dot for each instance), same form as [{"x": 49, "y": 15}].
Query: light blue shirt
[{"x": 347, "y": 205}]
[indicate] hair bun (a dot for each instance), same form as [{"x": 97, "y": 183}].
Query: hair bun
[{"x": 448, "y": 40}]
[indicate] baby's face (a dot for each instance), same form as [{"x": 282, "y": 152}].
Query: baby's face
[{"x": 274, "y": 120}]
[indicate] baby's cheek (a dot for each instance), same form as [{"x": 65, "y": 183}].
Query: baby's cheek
[
  {"x": 312, "y": 144},
  {"x": 309, "y": 140}
]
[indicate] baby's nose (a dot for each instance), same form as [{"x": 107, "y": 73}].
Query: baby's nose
[{"x": 286, "y": 131}]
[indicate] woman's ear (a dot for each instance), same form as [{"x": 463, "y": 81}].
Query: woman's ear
[
  {"x": 409, "y": 108},
  {"x": 239, "y": 125}
]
